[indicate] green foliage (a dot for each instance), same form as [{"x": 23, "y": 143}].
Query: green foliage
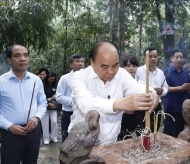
[
  {"x": 55, "y": 30},
  {"x": 25, "y": 22},
  {"x": 4, "y": 64},
  {"x": 82, "y": 31}
]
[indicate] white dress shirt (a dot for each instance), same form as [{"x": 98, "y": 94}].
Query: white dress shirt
[
  {"x": 90, "y": 93},
  {"x": 63, "y": 92},
  {"x": 156, "y": 78}
]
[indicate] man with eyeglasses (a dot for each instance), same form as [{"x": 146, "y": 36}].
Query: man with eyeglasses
[
  {"x": 156, "y": 80},
  {"x": 179, "y": 86}
]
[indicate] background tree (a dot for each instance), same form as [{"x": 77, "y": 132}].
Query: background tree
[
  {"x": 25, "y": 22},
  {"x": 82, "y": 31},
  {"x": 167, "y": 39},
  {"x": 55, "y": 30}
]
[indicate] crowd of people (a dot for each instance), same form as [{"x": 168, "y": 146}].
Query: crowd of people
[{"x": 29, "y": 102}]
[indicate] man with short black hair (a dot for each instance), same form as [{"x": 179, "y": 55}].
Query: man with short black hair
[
  {"x": 156, "y": 80},
  {"x": 179, "y": 87},
  {"x": 22, "y": 105},
  {"x": 63, "y": 92}
]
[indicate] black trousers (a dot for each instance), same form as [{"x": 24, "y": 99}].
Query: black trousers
[
  {"x": 130, "y": 122},
  {"x": 174, "y": 128},
  {"x": 16, "y": 149},
  {"x": 65, "y": 121}
]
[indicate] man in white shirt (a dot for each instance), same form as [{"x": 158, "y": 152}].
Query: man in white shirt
[
  {"x": 156, "y": 80},
  {"x": 109, "y": 89},
  {"x": 63, "y": 92}
]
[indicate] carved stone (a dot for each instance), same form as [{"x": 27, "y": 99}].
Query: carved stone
[
  {"x": 80, "y": 141},
  {"x": 185, "y": 134}
]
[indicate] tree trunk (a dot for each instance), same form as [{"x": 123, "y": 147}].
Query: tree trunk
[
  {"x": 65, "y": 41},
  {"x": 168, "y": 40},
  {"x": 160, "y": 21},
  {"x": 140, "y": 23},
  {"x": 113, "y": 10},
  {"x": 121, "y": 7},
  {"x": 117, "y": 24}
]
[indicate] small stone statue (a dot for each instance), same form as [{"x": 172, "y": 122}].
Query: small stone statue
[
  {"x": 185, "y": 134},
  {"x": 80, "y": 141}
]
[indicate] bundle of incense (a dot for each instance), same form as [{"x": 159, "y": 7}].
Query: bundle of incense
[{"x": 146, "y": 137}]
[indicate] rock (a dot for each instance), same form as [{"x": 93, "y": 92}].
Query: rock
[
  {"x": 185, "y": 134},
  {"x": 80, "y": 141}
]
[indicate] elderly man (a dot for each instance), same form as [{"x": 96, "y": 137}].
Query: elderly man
[{"x": 109, "y": 89}]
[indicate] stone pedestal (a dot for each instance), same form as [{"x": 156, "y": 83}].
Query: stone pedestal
[{"x": 169, "y": 151}]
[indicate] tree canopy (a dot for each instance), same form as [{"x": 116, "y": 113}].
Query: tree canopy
[
  {"x": 55, "y": 30},
  {"x": 25, "y": 22}
]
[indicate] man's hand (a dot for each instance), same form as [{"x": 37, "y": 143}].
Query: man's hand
[
  {"x": 159, "y": 91},
  {"x": 142, "y": 102},
  {"x": 51, "y": 106},
  {"x": 53, "y": 97},
  {"x": 31, "y": 124},
  {"x": 17, "y": 130},
  {"x": 185, "y": 86},
  {"x": 133, "y": 102}
]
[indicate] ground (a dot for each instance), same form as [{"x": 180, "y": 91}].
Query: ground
[{"x": 49, "y": 154}]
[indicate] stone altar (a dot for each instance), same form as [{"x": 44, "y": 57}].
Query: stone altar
[{"x": 178, "y": 151}]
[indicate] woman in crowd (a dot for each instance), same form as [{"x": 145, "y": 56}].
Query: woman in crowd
[
  {"x": 42, "y": 73},
  {"x": 51, "y": 113},
  {"x": 131, "y": 121}
]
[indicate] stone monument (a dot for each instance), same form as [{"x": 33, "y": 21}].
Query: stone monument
[{"x": 77, "y": 147}]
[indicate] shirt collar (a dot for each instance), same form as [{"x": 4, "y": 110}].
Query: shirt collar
[
  {"x": 172, "y": 68},
  {"x": 154, "y": 72},
  {"x": 12, "y": 75},
  {"x": 92, "y": 73},
  {"x": 72, "y": 72}
]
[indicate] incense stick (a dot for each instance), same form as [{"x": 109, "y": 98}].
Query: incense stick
[
  {"x": 31, "y": 101},
  {"x": 165, "y": 79},
  {"x": 155, "y": 124},
  {"x": 147, "y": 122}
]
